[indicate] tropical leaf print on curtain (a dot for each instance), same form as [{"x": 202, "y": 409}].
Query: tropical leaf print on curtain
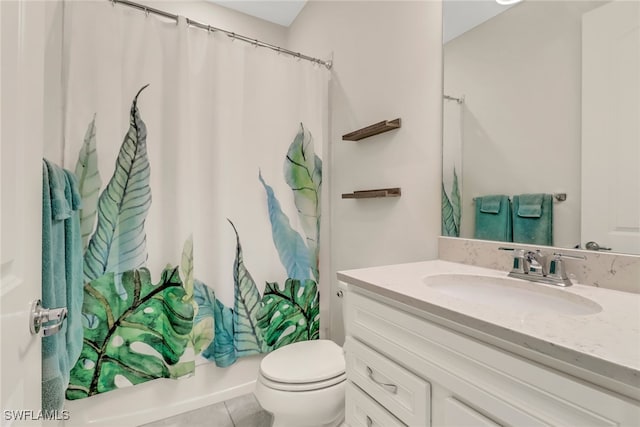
[
  {"x": 291, "y": 314},
  {"x": 451, "y": 209},
  {"x": 133, "y": 331},
  {"x": 291, "y": 248},
  {"x": 89, "y": 182},
  {"x": 133, "y": 340},
  {"x": 248, "y": 338},
  {"x": 119, "y": 241},
  {"x": 202, "y": 298},
  {"x": 303, "y": 173}
]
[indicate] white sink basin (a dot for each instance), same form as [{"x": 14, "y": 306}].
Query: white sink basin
[{"x": 512, "y": 294}]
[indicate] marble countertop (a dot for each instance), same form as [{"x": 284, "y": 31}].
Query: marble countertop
[{"x": 605, "y": 343}]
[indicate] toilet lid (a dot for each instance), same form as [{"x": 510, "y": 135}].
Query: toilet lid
[{"x": 304, "y": 362}]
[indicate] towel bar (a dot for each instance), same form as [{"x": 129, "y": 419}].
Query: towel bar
[{"x": 559, "y": 197}]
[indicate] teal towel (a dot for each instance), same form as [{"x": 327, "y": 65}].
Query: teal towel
[
  {"x": 490, "y": 204},
  {"x": 530, "y": 205},
  {"x": 493, "y": 218},
  {"x": 533, "y": 219},
  {"x": 62, "y": 279}
]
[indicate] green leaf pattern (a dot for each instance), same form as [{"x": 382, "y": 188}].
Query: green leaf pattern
[
  {"x": 135, "y": 331},
  {"x": 291, "y": 314},
  {"x": 89, "y": 182},
  {"x": 451, "y": 210},
  {"x": 119, "y": 242},
  {"x": 137, "y": 338},
  {"x": 248, "y": 338},
  {"x": 303, "y": 174},
  {"x": 187, "y": 267}
]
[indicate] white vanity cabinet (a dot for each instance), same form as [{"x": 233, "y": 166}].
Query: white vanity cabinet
[{"x": 403, "y": 369}]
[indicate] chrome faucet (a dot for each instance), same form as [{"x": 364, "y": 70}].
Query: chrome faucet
[
  {"x": 534, "y": 266},
  {"x": 535, "y": 263}
]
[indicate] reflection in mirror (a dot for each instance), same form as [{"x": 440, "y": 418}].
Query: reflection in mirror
[{"x": 541, "y": 99}]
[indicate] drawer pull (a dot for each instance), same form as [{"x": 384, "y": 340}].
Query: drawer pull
[
  {"x": 369, "y": 421},
  {"x": 390, "y": 387}
]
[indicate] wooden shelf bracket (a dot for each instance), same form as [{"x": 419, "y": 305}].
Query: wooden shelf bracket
[
  {"x": 370, "y": 194},
  {"x": 375, "y": 129}
]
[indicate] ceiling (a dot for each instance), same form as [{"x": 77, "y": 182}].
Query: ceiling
[
  {"x": 276, "y": 11},
  {"x": 459, "y": 15}
]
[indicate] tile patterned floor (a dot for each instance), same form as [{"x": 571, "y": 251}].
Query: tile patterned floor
[{"x": 243, "y": 411}]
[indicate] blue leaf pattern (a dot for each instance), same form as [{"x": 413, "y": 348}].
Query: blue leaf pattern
[{"x": 288, "y": 242}]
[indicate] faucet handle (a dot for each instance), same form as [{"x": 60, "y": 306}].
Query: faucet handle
[
  {"x": 559, "y": 255},
  {"x": 557, "y": 268},
  {"x": 518, "y": 265}
]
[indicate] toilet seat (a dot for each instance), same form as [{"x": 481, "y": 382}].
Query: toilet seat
[
  {"x": 304, "y": 366},
  {"x": 311, "y": 386}
]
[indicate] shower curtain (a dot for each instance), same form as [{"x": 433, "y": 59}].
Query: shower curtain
[
  {"x": 199, "y": 163},
  {"x": 452, "y": 143}
]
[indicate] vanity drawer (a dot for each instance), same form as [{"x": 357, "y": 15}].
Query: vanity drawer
[
  {"x": 404, "y": 394},
  {"x": 362, "y": 411}
]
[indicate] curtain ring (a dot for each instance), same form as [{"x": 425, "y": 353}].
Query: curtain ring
[
  {"x": 146, "y": 12},
  {"x": 255, "y": 43},
  {"x": 279, "y": 50},
  {"x": 233, "y": 36},
  {"x": 113, "y": 3},
  {"x": 209, "y": 29},
  {"x": 298, "y": 56}
]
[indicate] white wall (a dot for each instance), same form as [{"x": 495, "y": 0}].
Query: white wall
[
  {"x": 520, "y": 74},
  {"x": 387, "y": 64}
]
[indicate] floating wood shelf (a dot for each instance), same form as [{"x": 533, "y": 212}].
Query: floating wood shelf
[
  {"x": 375, "y": 129},
  {"x": 370, "y": 194}
]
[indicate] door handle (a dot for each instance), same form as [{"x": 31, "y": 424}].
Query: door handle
[
  {"x": 594, "y": 246},
  {"x": 39, "y": 316}
]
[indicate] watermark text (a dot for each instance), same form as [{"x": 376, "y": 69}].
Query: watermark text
[{"x": 35, "y": 415}]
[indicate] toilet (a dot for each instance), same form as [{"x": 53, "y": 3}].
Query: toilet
[{"x": 303, "y": 384}]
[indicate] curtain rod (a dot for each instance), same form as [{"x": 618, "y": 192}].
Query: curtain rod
[{"x": 209, "y": 28}]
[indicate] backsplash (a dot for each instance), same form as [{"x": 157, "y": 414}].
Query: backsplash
[{"x": 605, "y": 270}]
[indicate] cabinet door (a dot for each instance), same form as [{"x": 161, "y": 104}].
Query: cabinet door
[{"x": 457, "y": 414}]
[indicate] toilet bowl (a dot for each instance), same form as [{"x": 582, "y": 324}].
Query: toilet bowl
[{"x": 303, "y": 384}]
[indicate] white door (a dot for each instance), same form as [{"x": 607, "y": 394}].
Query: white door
[
  {"x": 611, "y": 126},
  {"x": 21, "y": 122}
]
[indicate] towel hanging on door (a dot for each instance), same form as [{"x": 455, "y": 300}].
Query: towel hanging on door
[{"x": 61, "y": 279}]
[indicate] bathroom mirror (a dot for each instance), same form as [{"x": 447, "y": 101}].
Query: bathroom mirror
[{"x": 543, "y": 97}]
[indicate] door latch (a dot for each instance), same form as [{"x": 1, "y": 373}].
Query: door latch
[{"x": 47, "y": 320}]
